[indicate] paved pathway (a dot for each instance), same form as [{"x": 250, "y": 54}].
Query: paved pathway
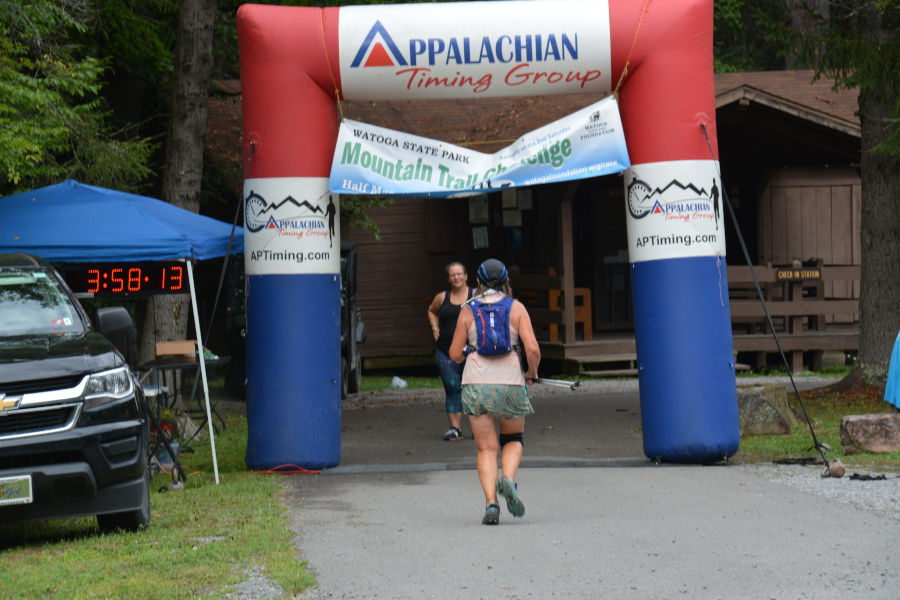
[{"x": 400, "y": 518}]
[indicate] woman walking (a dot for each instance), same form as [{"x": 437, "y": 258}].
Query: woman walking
[
  {"x": 442, "y": 314},
  {"x": 493, "y": 385}
]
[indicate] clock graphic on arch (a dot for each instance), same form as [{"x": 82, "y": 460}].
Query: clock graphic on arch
[
  {"x": 638, "y": 194},
  {"x": 254, "y": 206}
]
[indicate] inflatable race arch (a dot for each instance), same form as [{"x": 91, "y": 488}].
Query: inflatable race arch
[{"x": 297, "y": 62}]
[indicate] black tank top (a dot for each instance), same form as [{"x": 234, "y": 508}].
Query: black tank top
[{"x": 447, "y": 316}]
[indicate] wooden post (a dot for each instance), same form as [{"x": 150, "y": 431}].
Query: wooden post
[
  {"x": 794, "y": 293},
  {"x": 568, "y": 263}
]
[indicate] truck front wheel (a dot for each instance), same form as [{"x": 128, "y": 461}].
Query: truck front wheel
[
  {"x": 356, "y": 376},
  {"x": 131, "y": 520}
]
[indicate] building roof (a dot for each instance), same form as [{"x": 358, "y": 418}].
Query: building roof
[
  {"x": 489, "y": 124},
  {"x": 794, "y": 93},
  {"x": 483, "y": 124}
]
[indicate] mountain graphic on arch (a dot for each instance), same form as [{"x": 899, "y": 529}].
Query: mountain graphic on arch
[
  {"x": 291, "y": 200},
  {"x": 659, "y": 191}
]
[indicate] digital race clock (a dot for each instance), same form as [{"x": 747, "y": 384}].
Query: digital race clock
[{"x": 118, "y": 280}]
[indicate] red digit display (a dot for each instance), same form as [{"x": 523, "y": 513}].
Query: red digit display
[
  {"x": 117, "y": 283},
  {"x": 175, "y": 279},
  {"x": 118, "y": 280},
  {"x": 93, "y": 281},
  {"x": 134, "y": 279}
]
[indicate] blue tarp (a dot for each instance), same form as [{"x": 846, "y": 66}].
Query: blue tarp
[
  {"x": 892, "y": 386},
  {"x": 74, "y": 222}
]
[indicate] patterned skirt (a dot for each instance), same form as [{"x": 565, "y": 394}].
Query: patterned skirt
[{"x": 500, "y": 400}]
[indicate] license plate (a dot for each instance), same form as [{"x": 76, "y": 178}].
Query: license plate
[{"x": 15, "y": 490}]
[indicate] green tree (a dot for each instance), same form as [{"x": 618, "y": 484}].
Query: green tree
[
  {"x": 183, "y": 172},
  {"x": 750, "y": 36},
  {"x": 137, "y": 40},
  {"x": 54, "y": 122},
  {"x": 354, "y": 209},
  {"x": 858, "y": 45}
]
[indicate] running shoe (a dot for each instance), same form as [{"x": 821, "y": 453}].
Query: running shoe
[
  {"x": 491, "y": 514},
  {"x": 453, "y": 434},
  {"x": 508, "y": 490}
]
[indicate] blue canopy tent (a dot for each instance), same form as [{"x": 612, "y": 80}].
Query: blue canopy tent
[{"x": 74, "y": 222}]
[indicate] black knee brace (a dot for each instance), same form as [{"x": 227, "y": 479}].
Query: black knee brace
[{"x": 506, "y": 438}]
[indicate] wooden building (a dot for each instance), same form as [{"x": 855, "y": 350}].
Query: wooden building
[{"x": 789, "y": 152}]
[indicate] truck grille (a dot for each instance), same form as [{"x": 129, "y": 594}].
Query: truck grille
[
  {"x": 17, "y": 388},
  {"x": 37, "y": 421},
  {"x": 27, "y": 461}
]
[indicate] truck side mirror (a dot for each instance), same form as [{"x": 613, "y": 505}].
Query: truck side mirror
[
  {"x": 114, "y": 320},
  {"x": 115, "y": 324}
]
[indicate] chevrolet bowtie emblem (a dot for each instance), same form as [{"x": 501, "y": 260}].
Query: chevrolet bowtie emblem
[{"x": 4, "y": 403}]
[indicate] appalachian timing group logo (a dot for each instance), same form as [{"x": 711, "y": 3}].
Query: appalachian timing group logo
[
  {"x": 289, "y": 217},
  {"x": 378, "y": 49},
  {"x": 379, "y": 57},
  {"x": 675, "y": 199}
]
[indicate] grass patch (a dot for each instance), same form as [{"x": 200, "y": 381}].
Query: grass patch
[
  {"x": 825, "y": 408},
  {"x": 201, "y": 540},
  {"x": 834, "y": 364},
  {"x": 781, "y": 371},
  {"x": 377, "y": 383}
]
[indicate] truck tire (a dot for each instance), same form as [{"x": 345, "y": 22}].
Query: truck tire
[
  {"x": 130, "y": 520},
  {"x": 355, "y": 376}
]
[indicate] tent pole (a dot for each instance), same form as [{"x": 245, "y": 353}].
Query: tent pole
[{"x": 212, "y": 441}]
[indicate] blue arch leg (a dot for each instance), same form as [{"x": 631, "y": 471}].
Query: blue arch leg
[
  {"x": 293, "y": 371},
  {"x": 685, "y": 359}
]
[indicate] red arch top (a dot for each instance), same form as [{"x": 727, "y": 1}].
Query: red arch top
[{"x": 290, "y": 74}]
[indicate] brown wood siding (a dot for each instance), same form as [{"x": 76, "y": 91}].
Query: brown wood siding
[
  {"x": 396, "y": 279},
  {"x": 399, "y": 274},
  {"x": 806, "y": 214},
  {"x": 856, "y": 198},
  {"x": 607, "y": 241}
]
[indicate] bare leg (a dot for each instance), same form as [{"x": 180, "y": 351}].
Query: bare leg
[
  {"x": 511, "y": 453},
  {"x": 488, "y": 446}
]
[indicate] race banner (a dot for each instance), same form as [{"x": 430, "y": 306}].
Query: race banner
[{"x": 372, "y": 160}]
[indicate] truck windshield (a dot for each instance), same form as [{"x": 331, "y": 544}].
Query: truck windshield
[{"x": 32, "y": 303}]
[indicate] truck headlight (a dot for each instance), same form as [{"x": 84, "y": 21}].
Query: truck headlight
[{"x": 108, "y": 386}]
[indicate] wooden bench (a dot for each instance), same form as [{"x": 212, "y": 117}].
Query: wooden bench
[
  {"x": 582, "y": 312},
  {"x": 541, "y": 294},
  {"x": 795, "y": 298},
  {"x": 533, "y": 290}
]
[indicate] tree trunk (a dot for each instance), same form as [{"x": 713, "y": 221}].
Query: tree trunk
[
  {"x": 807, "y": 17},
  {"x": 879, "y": 301},
  {"x": 168, "y": 316}
]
